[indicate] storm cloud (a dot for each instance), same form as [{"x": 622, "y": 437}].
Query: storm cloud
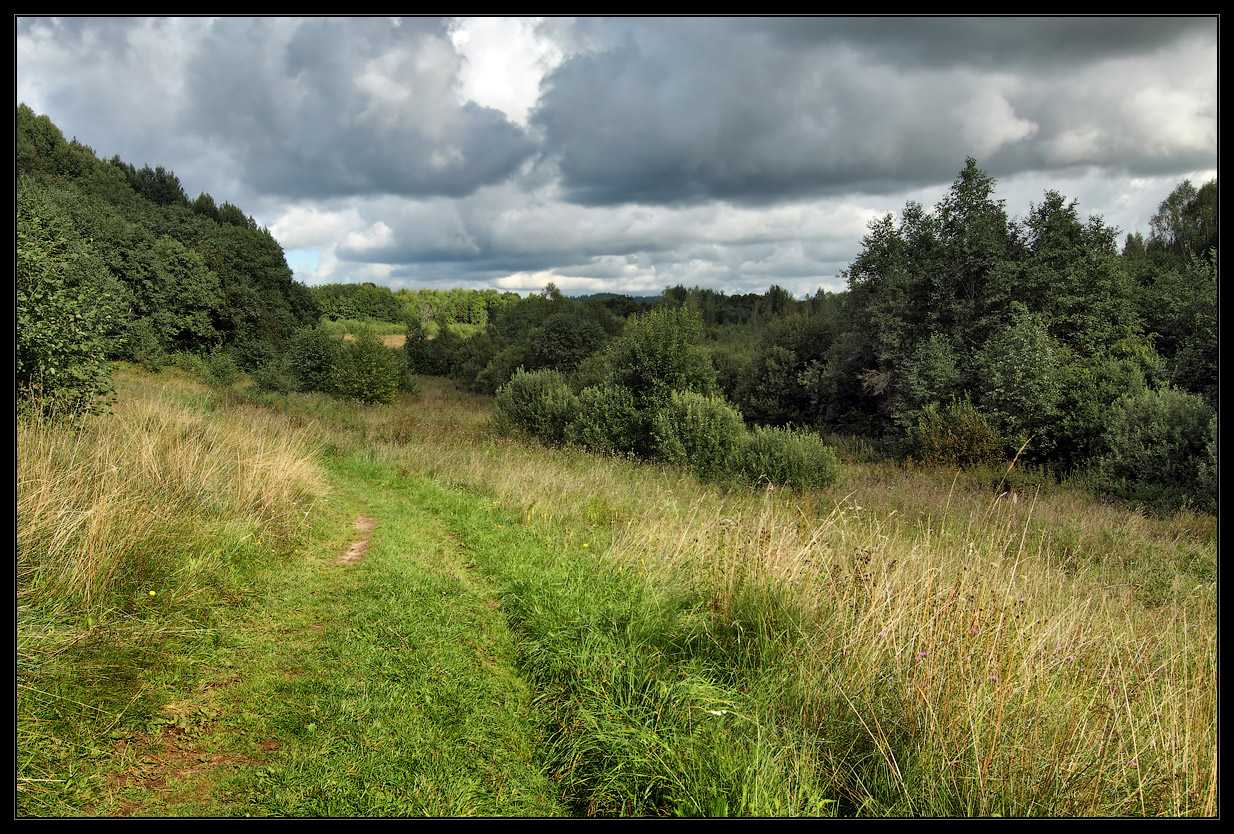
[{"x": 626, "y": 154}]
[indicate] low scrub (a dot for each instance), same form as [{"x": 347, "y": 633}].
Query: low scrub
[
  {"x": 703, "y": 434},
  {"x": 791, "y": 457},
  {"x": 956, "y": 435},
  {"x": 1161, "y": 451},
  {"x": 367, "y": 370},
  {"x": 539, "y": 403},
  {"x": 608, "y": 421}
]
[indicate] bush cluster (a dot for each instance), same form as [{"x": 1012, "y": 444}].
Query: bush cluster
[
  {"x": 956, "y": 435},
  {"x": 1161, "y": 450},
  {"x": 366, "y": 370},
  {"x": 793, "y": 457},
  {"x": 701, "y": 433},
  {"x": 539, "y": 403}
]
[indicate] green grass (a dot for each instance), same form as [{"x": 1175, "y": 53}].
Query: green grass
[
  {"x": 540, "y": 632},
  {"x": 400, "y": 697},
  {"x": 655, "y": 706}
]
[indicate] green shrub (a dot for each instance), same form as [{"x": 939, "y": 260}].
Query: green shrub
[
  {"x": 144, "y": 346},
  {"x": 701, "y": 433},
  {"x": 1206, "y": 476},
  {"x": 500, "y": 369},
  {"x": 1159, "y": 449},
  {"x": 539, "y": 403},
  {"x": 1021, "y": 383},
  {"x": 64, "y": 314},
  {"x": 220, "y": 368},
  {"x": 189, "y": 362},
  {"x": 311, "y": 356},
  {"x": 565, "y": 340},
  {"x": 792, "y": 457},
  {"x": 661, "y": 351},
  {"x": 274, "y": 377},
  {"x": 367, "y": 371},
  {"x": 957, "y": 435},
  {"x": 608, "y": 421}
]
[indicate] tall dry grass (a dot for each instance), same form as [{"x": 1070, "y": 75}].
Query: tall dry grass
[
  {"x": 962, "y": 651},
  {"x": 168, "y": 487}
]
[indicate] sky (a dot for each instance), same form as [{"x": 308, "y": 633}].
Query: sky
[{"x": 627, "y": 154}]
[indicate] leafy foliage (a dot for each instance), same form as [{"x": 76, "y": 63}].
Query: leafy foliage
[
  {"x": 181, "y": 276},
  {"x": 1019, "y": 367},
  {"x": 661, "y": 351},
  {"x": 703, "y": 434},
  {"x": 955, "y": 435},
  {"x": 64, "y": 314},
  {"x": 608, "y": 420},
  {"x": 539, "y": 403},
  {"x": 311, "y": 358},
  {"x": 795, "y": 458},
  {"x": 367, "y": 370},
  {"x": 564, "y": 341},
  {"x": 1161, "y": 448}
]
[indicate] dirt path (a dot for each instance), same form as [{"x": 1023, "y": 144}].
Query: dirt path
[{"x": 357, "y": 550}]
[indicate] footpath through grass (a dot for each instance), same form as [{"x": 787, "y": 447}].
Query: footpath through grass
[
  {"x": 379, "y": 686},
  {"x": 389, "y": 686},
  {"x": 377, "y": 674},
  {"x": 301, "y": 607}
]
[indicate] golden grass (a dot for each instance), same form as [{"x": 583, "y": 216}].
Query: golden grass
[
  {"x": 1049, "y": 655},
  {"x": 1002, "y": 649},
  {"x": 160, "y": 474},
  {"x": 390, "y": 340}
]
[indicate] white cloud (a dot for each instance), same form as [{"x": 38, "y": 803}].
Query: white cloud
[
  {"x": 504, "y": 61},
  {"x": 376, "y": 236},
  {"x": 306, "y": 226},
  {"x": 523, "y": 281},
  {"x": 988, "y": 122}
]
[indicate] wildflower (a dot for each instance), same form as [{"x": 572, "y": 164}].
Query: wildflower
[
  {"x": 718, "y": 711},
  {"x": 152, "y": 593}
]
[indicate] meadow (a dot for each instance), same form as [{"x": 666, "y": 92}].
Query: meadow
[{"x": 907, "y": 642}]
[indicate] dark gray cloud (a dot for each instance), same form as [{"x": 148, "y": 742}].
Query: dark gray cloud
[
  {"x": 346, "y": 107},
  {"x": 292, "y": 108},
  {"x": 1037, "y": 44},
  {"x": 754, "y": 111},
  {"x": 730, "y": 153}
]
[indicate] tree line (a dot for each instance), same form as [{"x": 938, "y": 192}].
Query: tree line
[
  {"x": 965, "y": 337},
  {"x": 115, "y": 263}
]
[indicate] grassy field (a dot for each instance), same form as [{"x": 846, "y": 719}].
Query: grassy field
[
  {"x": 289, "y": 605},
  {"x": 392, "y": 335}
]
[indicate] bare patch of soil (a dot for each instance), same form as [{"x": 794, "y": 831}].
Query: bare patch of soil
[
  {"x": 356, "y": 551},
  {"x": 170, "y": 766}
]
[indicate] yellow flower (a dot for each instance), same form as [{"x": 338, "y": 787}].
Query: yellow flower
[{"x": 152, "y": 593}]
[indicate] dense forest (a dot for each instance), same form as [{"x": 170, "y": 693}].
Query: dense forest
[
  {"x": 967, "y": 336},
  {"x": 116, "y": 263}
]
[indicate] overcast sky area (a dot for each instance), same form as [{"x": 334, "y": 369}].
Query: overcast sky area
[{"x": 624, "y": 154}]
